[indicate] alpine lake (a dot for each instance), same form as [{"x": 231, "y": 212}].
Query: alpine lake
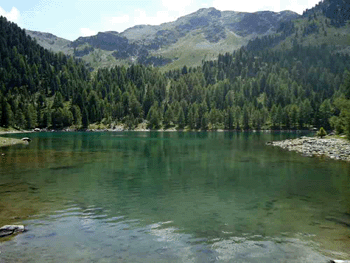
[{"x": 171, "y": 197}]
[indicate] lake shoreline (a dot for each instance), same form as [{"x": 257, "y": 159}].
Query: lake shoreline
[
  {"x": 6, "y": 141},
  {"x": 329, "y": 147},
  {"x": 16, "y": 131},
  {"x": 123, "y": 129}
]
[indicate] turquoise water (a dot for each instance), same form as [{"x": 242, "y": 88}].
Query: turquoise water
[{"x": 171, "y": 197}]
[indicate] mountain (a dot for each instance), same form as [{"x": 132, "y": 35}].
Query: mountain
[
  {"x": 325, "y": 24},
  {"x": 51, "y": 42},
  {"x": 264, "y": 85},
  {"x": 187, "y": 41},
  {"x": 338, "y": 11}
]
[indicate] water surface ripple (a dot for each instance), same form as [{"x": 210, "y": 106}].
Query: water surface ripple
[{"x": 171, "y": 197}]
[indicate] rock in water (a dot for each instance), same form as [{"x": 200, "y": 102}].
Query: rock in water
[
  {"x": 11, "y": 229},
  {"x": 26, "y": 139}
]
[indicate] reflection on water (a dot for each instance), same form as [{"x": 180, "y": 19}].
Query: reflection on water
[
  {"x": 175, "y": 197},
  {"x": 100, "y": 238}
]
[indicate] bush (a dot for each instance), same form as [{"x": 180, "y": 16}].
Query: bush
[{"x": 321, "y": 132}]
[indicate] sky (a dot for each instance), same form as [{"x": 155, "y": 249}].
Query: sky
[{"x": 71, "y": 19}]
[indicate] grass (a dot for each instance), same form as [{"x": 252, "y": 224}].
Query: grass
[
  {"x": 6, "y": 130},
  {"x": 194, "y": 48},
  {"x": 190, "y": 50},
  {"x": 4, "y": 141},
  {"x": 339, "y": 136},
  {"x": 100, "y": 59},
  {"x": 54, "y": 44}
]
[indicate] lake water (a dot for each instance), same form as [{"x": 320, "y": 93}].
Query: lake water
[{"x": 171, "y": 197}]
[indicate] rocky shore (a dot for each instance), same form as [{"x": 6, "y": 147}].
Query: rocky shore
[
  {"x": 333, "y": 148},
  {"x": 5, "y": 141}
]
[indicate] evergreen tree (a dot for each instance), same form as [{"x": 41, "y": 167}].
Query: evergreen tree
[
  {"x": 85, "y": 118},
  {"x": 7, "y": 114},
  {"x": 181, "y": 119},
  {"x": 168, "y": 117},
  {"x": 31, "y": 116}
]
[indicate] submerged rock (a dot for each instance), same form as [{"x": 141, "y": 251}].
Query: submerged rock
[
  {"x": 342, "y": 221},
  {"x": 8, "y": 230}
]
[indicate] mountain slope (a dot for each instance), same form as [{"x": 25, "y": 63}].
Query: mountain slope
[
  {"x": 51, "y": 42},
  {"x": 188, "y": 40},
  {"x": 325, "y": 24},
  {"x": 295, "y": 88}
]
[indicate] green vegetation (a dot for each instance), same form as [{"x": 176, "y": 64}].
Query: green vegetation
[
  {"x": 341, "y": 121},
  {"x": 253, "y": 88},
  {"x": 10, "y": 141},
  {"x": 321, "y": 133},
  {"x": 193, "y": 49}
]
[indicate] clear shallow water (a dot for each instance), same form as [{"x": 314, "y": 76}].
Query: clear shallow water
[{"x": 171, "y": 197}]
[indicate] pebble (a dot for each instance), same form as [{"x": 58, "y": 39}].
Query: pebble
[{"x": 337, "y": 149}]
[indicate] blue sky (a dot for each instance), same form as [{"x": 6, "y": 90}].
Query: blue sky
[{"x": 73, "y": 18}]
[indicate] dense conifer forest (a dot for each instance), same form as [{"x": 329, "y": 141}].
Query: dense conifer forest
[{"x": 250, "y": 89}]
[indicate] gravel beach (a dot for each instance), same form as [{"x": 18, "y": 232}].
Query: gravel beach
[{"x": 333, "y": 148}]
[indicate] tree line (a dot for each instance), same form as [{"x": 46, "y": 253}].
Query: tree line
[{"x": 299, "y": 88}]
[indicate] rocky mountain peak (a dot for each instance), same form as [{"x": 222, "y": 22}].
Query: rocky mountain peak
[{"x": 204, "y": 30}]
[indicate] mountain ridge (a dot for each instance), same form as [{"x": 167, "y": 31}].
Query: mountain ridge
[{"x": 204, "y": 34}]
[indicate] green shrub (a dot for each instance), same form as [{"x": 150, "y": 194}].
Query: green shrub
[{"x": 321, "y": 132}]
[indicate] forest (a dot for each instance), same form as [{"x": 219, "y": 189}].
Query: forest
[{"x": 253, "y": 88}]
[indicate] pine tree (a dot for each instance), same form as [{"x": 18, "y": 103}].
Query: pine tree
[
  {"x": 85, "y": 118},
  {"x": 181, "y": 119},
  {"x": 31, "y": 116},
  {"x": 168, "y": 117}
]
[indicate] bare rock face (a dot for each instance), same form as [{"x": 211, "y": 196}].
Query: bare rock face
[
  {"x": 8, "y": 230},
  {"x": 142, "y": 43}
]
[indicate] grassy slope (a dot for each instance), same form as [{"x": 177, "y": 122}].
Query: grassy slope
[
  {"x": 100, "y": 59},
  {"x": 194, "y": 48},
  {"x": 55, "y": 44},
  {"x": 189, "y": 50}
]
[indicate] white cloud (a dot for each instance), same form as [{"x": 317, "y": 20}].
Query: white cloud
[
  {"x": 300, "y": 5},
  {"x": 13, "y": 15},
  {"x": 86, "y": 32},
  {"x": 141, "y": 18},
  {"x": 293, "y": 5},
  {"x": 171, "y": 10},
  {"x": 119, "y": 19},
  {"x": 178, "y": 8},
  {"x": 177, "y": 5},
  {"x": 115, "y": 23}
]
